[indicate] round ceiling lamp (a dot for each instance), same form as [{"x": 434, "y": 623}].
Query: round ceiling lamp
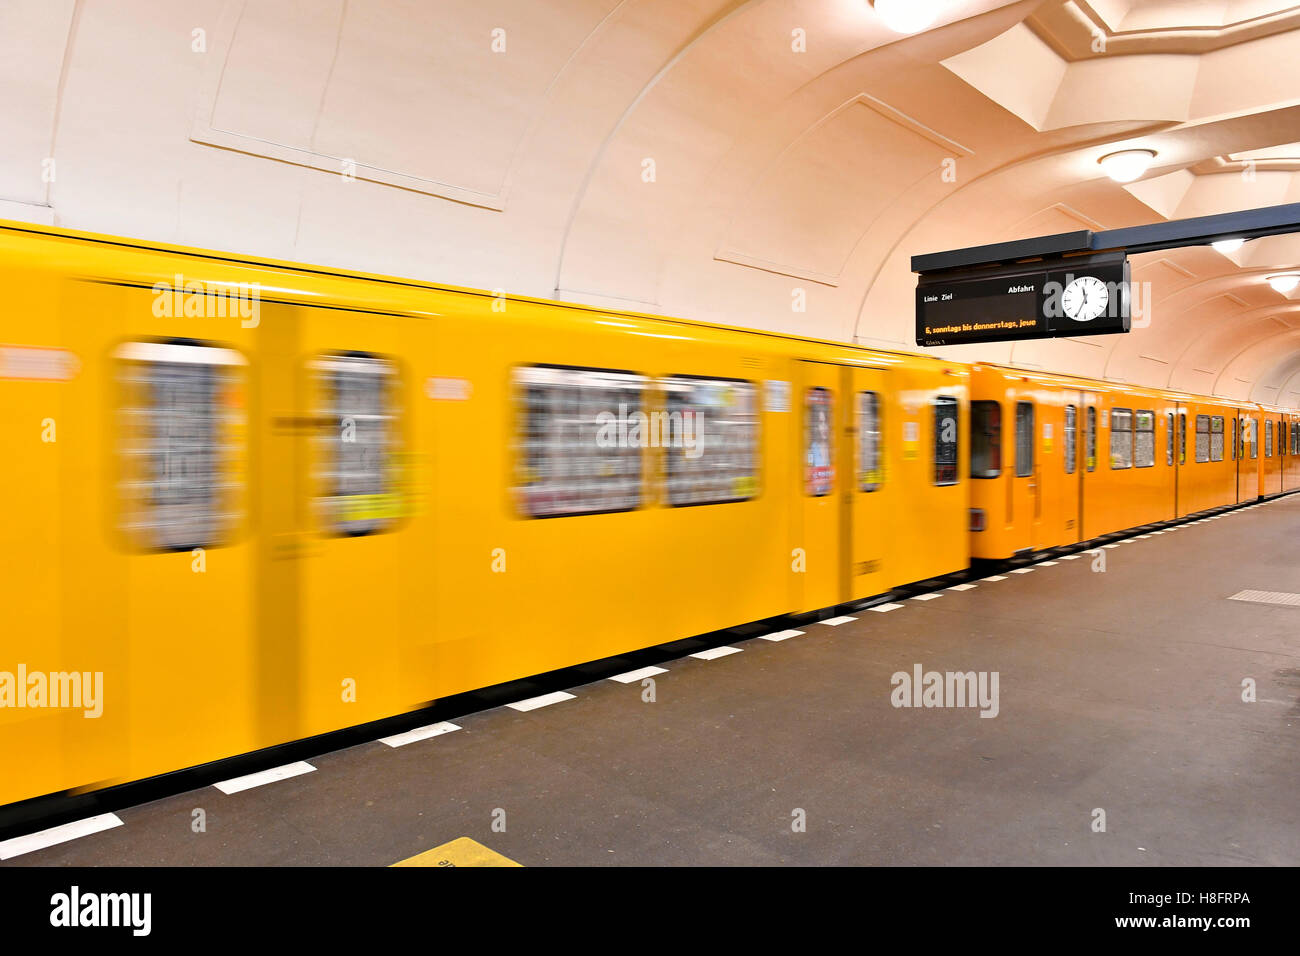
[
  {"x": 1127, "y": 164},
  {"x": 907, "y": 16}
]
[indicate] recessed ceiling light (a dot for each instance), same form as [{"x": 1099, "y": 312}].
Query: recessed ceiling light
[
  {"x": 1284, "y": 283},
  {"x": 907, "y": 16},
  {"x": 1128, "y": 164},
  {"x": 1228, "y": 245}
]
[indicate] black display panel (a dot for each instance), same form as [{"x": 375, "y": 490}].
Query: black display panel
[{"x": 1087, "y": 298}]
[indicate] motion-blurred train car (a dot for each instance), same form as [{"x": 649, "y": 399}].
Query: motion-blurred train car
[{"x": 266, "y": 501}]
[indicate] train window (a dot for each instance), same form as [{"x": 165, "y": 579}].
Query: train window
[
  {"x": 1090, "y": 438},
  {"x": 1234, "y": 438},
  {"x": 1295, "y": 438},
  {"x": 355, "y": 463},
  {"x": 870, "y": 472},
  {"x": 1268, "y": 439},
  {"x": 1216, "y": 438},
  {"x": 1182, "y": 438},
  {"x": 819, "y": 466},
  {"x": 574, "y": 453},
  {"x": 1144, "y": 439},
  {"x": 1281, "y": 438},
  {"x": 1024, "y": 439},
  {"x": 1071, "y": 438},
  {"x": 1169, "y": 439},
  {"x": 710, "y": 439},
  {"x": 945, "y": 440},
  {"x": 1202, "y": 437},
  {"x": 985, "y": 439},
  {"x": 1254, "y": 437},
  {"x": 182, "y": 423},
  {"x": 1121, "y": 438}
]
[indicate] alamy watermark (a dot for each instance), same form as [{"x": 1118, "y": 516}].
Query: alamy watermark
[
  {"x": 923, "y": 688},
  {"x": 53, "y": 689},
  {"x": 636, "y": 429},
  {"x": 195, "y": 299}
]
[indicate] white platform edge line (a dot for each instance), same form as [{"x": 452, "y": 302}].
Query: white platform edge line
[
  {"x": 639, "y": 674},
  {"x": 53, "y": 836},
  {"x": 545, "y": 700},
  {"x": 419, "y": 733},
  {"x": 263, "y": 777}
]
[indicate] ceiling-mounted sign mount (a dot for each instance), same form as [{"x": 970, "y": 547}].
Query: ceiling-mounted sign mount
[
  {"x": 1081, "y": 295},
  {"x": 950, "y": 311}
]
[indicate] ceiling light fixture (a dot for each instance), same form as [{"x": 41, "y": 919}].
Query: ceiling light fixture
[
  {"x": 907, "y": 16},
  {"x": 1284, "y": 283},
  {"x": 1228, "y": 245},
  {"x": 1127, "y": 165}
]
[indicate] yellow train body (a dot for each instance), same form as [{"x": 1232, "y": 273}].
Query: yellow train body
[{"x": 301, "y": 609}]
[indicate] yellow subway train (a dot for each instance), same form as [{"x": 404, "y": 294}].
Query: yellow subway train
[{"x": 251, "y": 502}]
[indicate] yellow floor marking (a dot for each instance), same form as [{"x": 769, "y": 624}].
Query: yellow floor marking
[{"x": 460, "y": 852}]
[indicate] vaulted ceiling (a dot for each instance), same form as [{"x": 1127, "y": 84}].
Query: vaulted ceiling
[{"x": 763, "y": 163}]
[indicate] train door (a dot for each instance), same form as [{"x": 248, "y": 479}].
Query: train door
[
  {"x": 1071, "y": 521},
  {"x": 822, "y": 485},
  {"x": 870, "y": 525},
  {"x": 1088, "y": 425},
  {"x": 1026, "y": 508},
  {"x": 343, "y": 534}
]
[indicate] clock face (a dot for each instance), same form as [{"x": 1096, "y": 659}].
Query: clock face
[{"x": 1085, "y": 298}]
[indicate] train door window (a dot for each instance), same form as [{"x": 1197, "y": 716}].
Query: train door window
[
  {"x": 870, "y": 472},
  {"x": 1281, "y": 438},
  {"x": 819, "y": 466},
  {"x": 1254, "y": 437},
  {"x": 182, "y": 423},
  {"x": 1024, "y": 439},
  {"x": 1234, "y": 438},
  {"x": 1071, "y": 437},
  {"x": 572, "y": 454},
  {"x": 1182, "y": 438},
  {"x": 1121, "y": 438},
  {"x": 1169, "y": 439},
  {"x": 710, "y": 439},
  {"x": 1090, "y": 438},
  {"x": 1202, "y": 437},
  {"x": 985, "y": 439},
  {"x": 1295, "y": 438},
  {"x": 1216, "y": 438},
  {"x": 355, "y": 463},
  {"x": 1268, "y": 439},
  {"x": 1144, "y": 439},
  {"x": 945, "y": 440}
]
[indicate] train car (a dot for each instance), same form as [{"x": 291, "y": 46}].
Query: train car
[
  {"x": 1082, "y": 459},
  {"x": 251, "y": 502}
]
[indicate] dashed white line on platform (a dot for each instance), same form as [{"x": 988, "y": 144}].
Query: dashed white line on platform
[
  {"x": 996, "y": 577},
  {"x": 926, "y": 597},
  {"x": 420, "y": 733},
  {"x": 882, "y": 608},
  {"x": 41, "y": 839},
  {"x": 780, "y": 635},
  {"x": 961, "y": 587},
  {"x": 713, "y": 653},
  {"x": 1046, "y": 564},
  {"x": 1071, "y": 557},
  {"x": 546, "y": 700},
  {"x": 1022, "y": 570},
  {"x": 837, "y": 621},
  {"x": 263, "y": 777},
  {"x": 641, "y": 673},
  {"x": 1110, "y": 546}
]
